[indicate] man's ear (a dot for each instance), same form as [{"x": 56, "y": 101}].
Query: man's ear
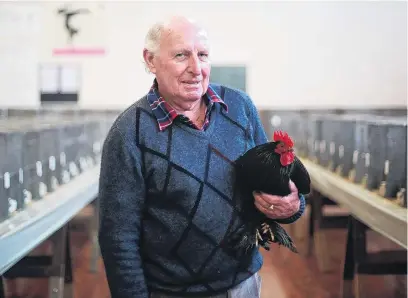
[{"x": 148, "y": 58}]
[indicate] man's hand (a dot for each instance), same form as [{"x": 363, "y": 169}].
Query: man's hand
[{"x": 277, "y": 207}]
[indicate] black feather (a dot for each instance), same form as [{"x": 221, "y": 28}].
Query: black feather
[{"x": 260, "y": 169}]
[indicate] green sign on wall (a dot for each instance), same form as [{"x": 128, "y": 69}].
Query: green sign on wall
[{"x": 231, "y": 76}]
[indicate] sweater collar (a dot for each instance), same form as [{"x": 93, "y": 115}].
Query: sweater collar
[{"x": 165, "y": 114}]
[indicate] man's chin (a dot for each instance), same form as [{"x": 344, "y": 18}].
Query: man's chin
[{"x": 193, "y": 95}]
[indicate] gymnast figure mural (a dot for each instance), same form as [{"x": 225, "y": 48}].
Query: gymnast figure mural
[{"x": 68, "y": 15}]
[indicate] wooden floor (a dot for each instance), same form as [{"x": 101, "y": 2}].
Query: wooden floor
[{"x": 284, "y": 275}]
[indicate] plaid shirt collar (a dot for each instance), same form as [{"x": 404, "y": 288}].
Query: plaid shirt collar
[{"x": 165, "y": 114}]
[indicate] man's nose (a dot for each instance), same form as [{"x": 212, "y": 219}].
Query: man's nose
[{"x": 195, "y": 65}]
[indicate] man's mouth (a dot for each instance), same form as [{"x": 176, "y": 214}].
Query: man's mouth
[{"x": 192, "y": 83}]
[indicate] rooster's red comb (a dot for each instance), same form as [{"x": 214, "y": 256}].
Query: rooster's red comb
[
  {"x": 284, "y": 148},
  {"x": 280, "y": 136}
]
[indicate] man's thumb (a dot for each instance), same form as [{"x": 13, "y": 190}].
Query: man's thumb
[{"x": 292, "y": 186}]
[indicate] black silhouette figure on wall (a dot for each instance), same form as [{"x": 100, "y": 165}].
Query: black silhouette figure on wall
[{"x": 68, "y": 14}]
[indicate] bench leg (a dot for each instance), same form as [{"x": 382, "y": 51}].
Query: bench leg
[
  {"x": 301, "y": 233},
  {"x": 360, "y": 252},
  {"x": 68, "y": 278},
  {"x": 355, "y": 252},
  {"x": 59, "y": 260},
  {"x": 400, "y": 286},
  {"x": 311, "y": 230},
  {"x": 2, "y": 288},
  {"x": 319, "y": 237},
  {"x": 94, "y": 237},
  {"x": 56, "y": 287},
  {"x": 349, "y": 265}
]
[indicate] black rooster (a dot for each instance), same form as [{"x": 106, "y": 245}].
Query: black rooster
[{"x": 267, "y": 168}]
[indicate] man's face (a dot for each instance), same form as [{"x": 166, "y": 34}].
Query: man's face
[{"x": 182, "y": 66}]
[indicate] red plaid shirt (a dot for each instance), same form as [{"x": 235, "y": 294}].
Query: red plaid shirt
[{"x": 165, "y": 114}]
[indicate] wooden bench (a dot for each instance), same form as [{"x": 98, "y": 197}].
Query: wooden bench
[
  {"x": 367, "y": 211},
  {"x": 47, "y": 219}
]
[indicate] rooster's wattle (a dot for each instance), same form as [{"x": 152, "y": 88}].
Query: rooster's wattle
[{"x": 268, "y": 168}]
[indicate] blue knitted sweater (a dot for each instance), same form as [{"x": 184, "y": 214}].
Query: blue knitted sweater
[{"x": 168, "y": 201}]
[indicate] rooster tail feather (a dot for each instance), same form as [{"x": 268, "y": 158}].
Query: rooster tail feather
[
  {"x": 281, "y": 237},
  {"x": 242, "y": 238}
]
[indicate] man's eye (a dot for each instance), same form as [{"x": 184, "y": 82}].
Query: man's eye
[
  {"x": 203, "y": 57},
  {"x": 179, "y": 55}
]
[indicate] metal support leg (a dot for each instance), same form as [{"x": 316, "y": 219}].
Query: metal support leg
[
  {"x": 68, "y": 277},
  {"x": 355, "y": 254},
  {"x": 2, "y": 288},
  {"x": 319, "y": 235},
  {"x": 311, "y": 230},
  {"x": 57, "y": 280},
  {"x": 349, "y": 265},
  {"x": 94, "y": 237}
]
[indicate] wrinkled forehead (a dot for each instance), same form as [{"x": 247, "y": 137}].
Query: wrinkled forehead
[{"x": 185, "y": 36}]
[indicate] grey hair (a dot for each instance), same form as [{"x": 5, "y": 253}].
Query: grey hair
[
  {"x": 153, "y": 36},
  {"x": 152, "y": 39}
]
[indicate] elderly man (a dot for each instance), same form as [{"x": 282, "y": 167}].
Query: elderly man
[{"x": 166, "y": 181}]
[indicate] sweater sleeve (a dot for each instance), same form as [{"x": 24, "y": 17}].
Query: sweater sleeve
[
  {"x": 121, "y": 194},
  {"x": 297, "y": 215},
  {"x": 261, "y": 138}
]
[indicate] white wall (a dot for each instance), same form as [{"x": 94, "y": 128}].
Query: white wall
[
  {"x": 98, "y": 77},
  {"x": 298, "y": 54},
  {"x": 20, "y": 38}
]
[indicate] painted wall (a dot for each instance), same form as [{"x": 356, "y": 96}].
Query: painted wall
[
  {"x": 298, "y": 54},
  {"x": 20, "y": 39}
]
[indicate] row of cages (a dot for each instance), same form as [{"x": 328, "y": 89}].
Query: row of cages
[
  {"x": 41, "y": 153},
  {"x": 55, "y": 111},
  {"x": 368, "y": 150}
]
